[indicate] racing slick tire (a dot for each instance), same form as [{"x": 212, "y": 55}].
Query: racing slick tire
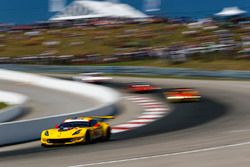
[
  {"x": 44, "y": 146},
  {"x": 107, "y": 135},
  {"x": 88, "y": 138}
]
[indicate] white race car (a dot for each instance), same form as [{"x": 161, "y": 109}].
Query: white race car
[{"x": 91, "y": 77}]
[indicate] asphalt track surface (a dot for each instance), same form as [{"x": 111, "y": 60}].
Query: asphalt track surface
[
  {"x": 46, "y": 102},
  {"x": 213, "y": 132}
]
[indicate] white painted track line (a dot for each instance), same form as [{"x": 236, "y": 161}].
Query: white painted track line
[{"x": 162, "y": 155}]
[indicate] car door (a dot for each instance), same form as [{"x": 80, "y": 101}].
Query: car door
[{"x": 97, "y": 129}]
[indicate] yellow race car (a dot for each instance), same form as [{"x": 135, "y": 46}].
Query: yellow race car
[{"x": 77, "y": 130}]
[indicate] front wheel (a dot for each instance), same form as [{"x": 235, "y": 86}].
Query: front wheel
[
  {"x": 44, "y": 146},
  {"x": 88, "y": 138}
]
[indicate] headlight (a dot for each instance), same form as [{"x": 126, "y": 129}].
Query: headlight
[
  {"x": 46, "y": 133},
  {"x": 76, "y": 132}
]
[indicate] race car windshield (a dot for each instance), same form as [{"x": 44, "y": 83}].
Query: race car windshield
[{"x": 74, "y": 124}]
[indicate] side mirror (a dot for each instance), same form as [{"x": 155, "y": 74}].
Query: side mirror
[{"x": 97, "y": 125}]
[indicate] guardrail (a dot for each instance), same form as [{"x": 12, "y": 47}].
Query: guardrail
[
  {"x": 179, "y": 72},
  {"x": 101, "y": 94},
  {"x": 16, "y": 106},
  {"x": 27, "y": 130}
]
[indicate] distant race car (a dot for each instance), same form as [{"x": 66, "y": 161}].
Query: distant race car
[
  {"x": 139, "y": 87},
  {"x": 182, "y": 95},
  {"x": 91, "y": 77},
  {"x": 77, "y": 130}
]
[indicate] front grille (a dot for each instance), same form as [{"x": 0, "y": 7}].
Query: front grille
[{"x": 59, "y": 140}]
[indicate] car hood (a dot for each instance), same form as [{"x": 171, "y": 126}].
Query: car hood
[{"x": 58, "y": 133}]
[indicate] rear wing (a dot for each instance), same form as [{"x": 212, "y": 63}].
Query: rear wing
[{"x": 103, "y": 117}]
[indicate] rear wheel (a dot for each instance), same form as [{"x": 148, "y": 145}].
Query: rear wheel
[{"x": 107, "y": 135}]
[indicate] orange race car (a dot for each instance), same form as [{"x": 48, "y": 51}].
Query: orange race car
[
  {"x": 182, "y": 95},
  {"x": 140, "y": 87}
]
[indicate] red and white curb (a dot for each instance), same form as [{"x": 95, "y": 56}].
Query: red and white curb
[{"x": 153, "y": 110}]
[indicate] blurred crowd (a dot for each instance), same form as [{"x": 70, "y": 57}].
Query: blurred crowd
[{"x": 174, "y": 40}]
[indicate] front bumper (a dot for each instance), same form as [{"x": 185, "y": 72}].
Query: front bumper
[{"x": 62, "y": 141}]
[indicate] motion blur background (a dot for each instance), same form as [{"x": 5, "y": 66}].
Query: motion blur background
[
  {"x": 29, "y": 11},
  {"x": 208, "y": 34}
]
